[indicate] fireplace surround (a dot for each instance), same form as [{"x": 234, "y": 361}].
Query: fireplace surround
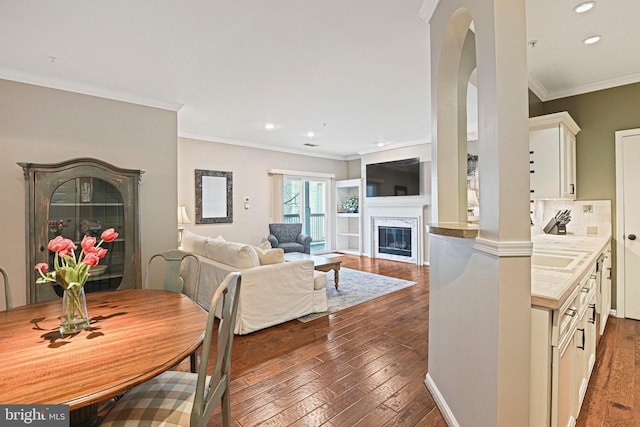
[{"x": 396, "y": 238}]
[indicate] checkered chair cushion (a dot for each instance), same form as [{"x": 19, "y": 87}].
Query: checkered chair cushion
[{"x": 165, "y": 400}]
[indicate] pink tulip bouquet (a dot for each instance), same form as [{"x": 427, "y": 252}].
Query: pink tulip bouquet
[{"x": 71, "y": 273}]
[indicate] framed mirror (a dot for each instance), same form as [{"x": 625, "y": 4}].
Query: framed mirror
[{"x": 214, "y": 197}]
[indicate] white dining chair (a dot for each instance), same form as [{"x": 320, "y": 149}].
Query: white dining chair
[
  {"x": 174, "y": 261},
  {"x": 183, "y": 398},
  {"x": 7, "y": 290}
]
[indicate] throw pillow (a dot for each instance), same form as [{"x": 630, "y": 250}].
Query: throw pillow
[
  {"x": 194, "y": 243},
  {"x": 270, "y": 256},
  {"x": 237, "y": 255}
]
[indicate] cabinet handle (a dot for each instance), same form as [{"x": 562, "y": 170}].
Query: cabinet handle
[
  {"x": 41, "y": 248},
  {"x": 531, "y": 162},
  {"x": 571, "y": 312},
  {"x": 530, "y": 152},
  {"x": 632, "y": 237},
  {"x": 572, "y": 189},
  {"x": 583, "y": 338},
  {"x": 609, "y": 269},
  {"x": 585, "y": 289},
  {"x": 593, "y": 313},
  {"x": 532, "y": 171}
]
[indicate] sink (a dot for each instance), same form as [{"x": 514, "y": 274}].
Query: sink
[{"x": 557, "y": 260}]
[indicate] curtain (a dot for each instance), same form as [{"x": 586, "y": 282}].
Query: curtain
[{"x": 277, "y": 198}]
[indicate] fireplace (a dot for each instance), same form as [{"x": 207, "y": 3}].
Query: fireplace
[
  {"x": 394, "y": 241},
  {"x": 396, "y": 238}
]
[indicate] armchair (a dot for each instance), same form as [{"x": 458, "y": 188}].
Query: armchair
[{"x": 289, "y": 237}]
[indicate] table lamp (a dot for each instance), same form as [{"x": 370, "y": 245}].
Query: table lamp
[{"x": 183, "y": 218}]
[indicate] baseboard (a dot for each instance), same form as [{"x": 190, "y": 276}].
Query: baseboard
[
  {"x": 449, "y": 418},
  {"x": 613, "y": 313}
]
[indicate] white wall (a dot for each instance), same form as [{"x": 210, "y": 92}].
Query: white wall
[
  {"x": 42, "y": 125},
  {"x": 250, "y": 178}
]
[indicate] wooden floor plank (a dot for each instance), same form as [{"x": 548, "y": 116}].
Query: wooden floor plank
[{"x": 365, "y": 366}]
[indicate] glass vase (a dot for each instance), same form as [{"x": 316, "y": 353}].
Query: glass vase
[{"x": 75, "y": 317}]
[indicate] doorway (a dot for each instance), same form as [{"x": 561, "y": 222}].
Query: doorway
[
  {"x": 628, "y": 224},
  {"x": 305, "y": 201}
]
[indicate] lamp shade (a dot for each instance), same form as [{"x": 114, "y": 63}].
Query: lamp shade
[{"x": 182, "y": 215}]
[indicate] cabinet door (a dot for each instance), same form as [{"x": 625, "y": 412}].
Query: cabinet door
[
  {"x": 567, "y": 163},
  {"x": 563, "y": 403},
  {"x": 545, "y": 167},
  {"x": 605, "y": 285}
]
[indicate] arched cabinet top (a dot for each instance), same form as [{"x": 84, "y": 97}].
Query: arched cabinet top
[{"x": 78, "y": 163}]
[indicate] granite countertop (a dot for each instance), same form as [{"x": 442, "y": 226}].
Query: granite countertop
[{"x": 550, "y": 287}]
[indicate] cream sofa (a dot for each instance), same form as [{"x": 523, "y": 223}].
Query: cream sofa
[{"x": 272, "y": 291}]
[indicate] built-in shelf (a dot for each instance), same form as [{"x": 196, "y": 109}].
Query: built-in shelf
[{"x": 348, "y": 224}]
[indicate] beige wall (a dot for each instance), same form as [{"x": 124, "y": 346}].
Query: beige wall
[
  {"x": 600, "y": 114},
  {"x": 250, "y": 178},
  {"x": 44, "y": 125}
]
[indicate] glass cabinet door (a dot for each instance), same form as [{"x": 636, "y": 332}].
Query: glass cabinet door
[{"x": 86, "y": 207}]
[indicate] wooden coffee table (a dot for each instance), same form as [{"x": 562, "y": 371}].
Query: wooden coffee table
[{"x": 323, "y": 263}]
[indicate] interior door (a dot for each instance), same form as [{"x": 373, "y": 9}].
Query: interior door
[{"x": 631, "y": 223}]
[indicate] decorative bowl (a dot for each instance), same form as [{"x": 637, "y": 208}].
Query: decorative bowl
[{"x": 98, "y": 270}]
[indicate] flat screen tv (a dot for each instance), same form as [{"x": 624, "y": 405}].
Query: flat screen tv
[{"x": 396, "y": 178}]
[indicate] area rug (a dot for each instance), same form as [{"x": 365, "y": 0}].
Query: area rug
[{"x": 356, "y": 287}]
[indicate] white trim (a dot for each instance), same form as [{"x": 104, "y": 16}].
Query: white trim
[
  {"x": 259, "y": 146},
  {"x": 505, "y": 248},
  {"x": 84, "y": 89},
  {"x": 536, "y": 87},
  {"x": 592, "y": 87},
  {"x": 393, "y": 146},
  {"x": 620, "y": 282},
  {"x": 549, "y": 120},
  {"x": 302, "y": 174},
  {"x": 501, "y": 249},
  {"x": 449, "y": 418}
]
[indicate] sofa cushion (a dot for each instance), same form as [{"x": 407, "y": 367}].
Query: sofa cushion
[
  {"x": 237, "y": 255},
  {"x": 194, "y": 243},
  {"x": 269, "y": 256}
]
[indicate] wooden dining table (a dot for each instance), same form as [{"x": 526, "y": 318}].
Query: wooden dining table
[{"x": 134, "y": 335}]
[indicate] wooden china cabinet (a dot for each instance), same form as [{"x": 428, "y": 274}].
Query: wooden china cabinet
[{"x": 82, "y": 197}]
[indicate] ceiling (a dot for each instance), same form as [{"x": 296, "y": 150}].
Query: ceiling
[{"x": 355, "y": 72}]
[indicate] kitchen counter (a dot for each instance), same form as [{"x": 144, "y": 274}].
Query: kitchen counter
[{"x": 551, "y": 286}]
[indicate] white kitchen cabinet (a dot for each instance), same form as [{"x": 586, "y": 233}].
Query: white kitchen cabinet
[
  {"x": 563, "y": 352},
  {"x": 348, "y": 222},
  {"x": 584, "y": 340},
  {"x": 603, "y": 301},
  {"x": 552, "y": 152}
]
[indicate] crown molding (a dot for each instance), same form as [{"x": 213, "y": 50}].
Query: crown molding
[
  {"x": 83, "y": 89},
  {"x": 240, "y": 143},
  {"x": 593, "y": 87}
]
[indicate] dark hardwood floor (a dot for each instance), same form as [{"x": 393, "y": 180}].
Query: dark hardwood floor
[{"x": 366, "y": 366}]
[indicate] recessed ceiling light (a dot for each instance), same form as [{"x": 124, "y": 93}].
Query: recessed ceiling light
[
  {"x": 269, "y": 126},
  {"x": 380, "y": 144},
  {"x": 592, "y": 40},
  {"x": 584, "y": 7},
  {"x": 311, "y": 134}
]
